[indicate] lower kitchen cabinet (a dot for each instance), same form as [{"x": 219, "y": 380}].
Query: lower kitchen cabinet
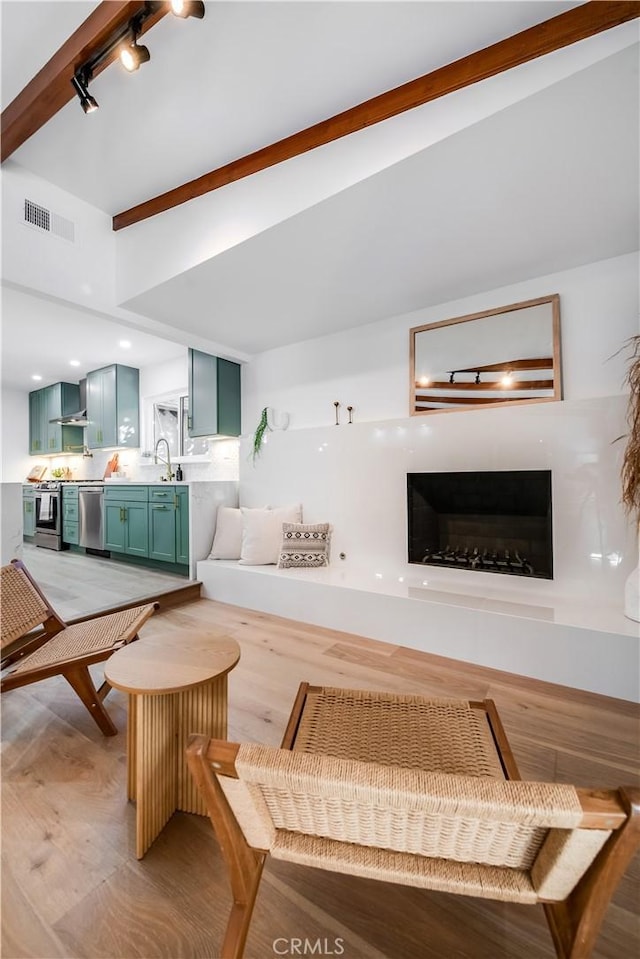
[
  {"x": 70, "y": 514},
  {"x": 182, "y": 524},
  {"x": 28, "y": 512},
  {"x": 126, "y": 520},
  {"x": 169, "y": 524},
  {"x": 151, "y": 522},
  {"x": 162, "y": 529}
]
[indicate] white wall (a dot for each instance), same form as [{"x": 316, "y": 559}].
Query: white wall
[
  {"x": 368, "y": 367},
  {"x": 15, "y": 462},
  {"x": 82, "y": 271},
  {"x": 355, "y": 476}
]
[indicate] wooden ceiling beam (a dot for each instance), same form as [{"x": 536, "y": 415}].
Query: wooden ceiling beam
[
  {"x": 561, "y": 31},
  {"x": 51, "y": 88}
]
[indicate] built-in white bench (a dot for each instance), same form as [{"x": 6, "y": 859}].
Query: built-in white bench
[{"x": 516, "y": 628}]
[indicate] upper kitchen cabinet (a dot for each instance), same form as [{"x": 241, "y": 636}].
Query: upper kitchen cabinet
[
  {"x": 214, "y": 396},
  {"x": 113, "y": 407},
  {"x": 45, "y": 405}
]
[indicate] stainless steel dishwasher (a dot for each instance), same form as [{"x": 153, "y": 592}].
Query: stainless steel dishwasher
[{"x": 90, "y": 519}]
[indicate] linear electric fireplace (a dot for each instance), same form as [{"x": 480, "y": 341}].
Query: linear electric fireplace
[{"x": 496, "y": 522}]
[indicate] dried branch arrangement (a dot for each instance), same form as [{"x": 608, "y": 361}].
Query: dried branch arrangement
[{"x": 630, "y": 473}]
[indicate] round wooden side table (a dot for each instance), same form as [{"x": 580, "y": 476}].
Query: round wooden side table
[{"x": 177, "y": 685}]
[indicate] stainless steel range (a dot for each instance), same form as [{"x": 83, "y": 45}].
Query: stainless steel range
[{"x": 49, "y": 515}]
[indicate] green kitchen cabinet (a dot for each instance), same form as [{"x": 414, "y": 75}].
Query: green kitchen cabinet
[
  {"x": 37, "y": 434},
  {"x": 126, "y": 520},
  {"x": 46, "y": 404},
  {"x": 70, "y": 514},
  {"x": 214, "y": 395},
  {"x": 169, "y": 524},
  {"x": 162, "y": 523},
  {"x": 182, "y": 524},
  {"x": 113, "y": 407},
  {"x": 28, "y": 512}
]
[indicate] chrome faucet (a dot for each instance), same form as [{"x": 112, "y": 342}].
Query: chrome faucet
[{"x": 167, "y": 462}]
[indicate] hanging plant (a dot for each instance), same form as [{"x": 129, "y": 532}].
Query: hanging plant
[{"x": 258, "y": 436}]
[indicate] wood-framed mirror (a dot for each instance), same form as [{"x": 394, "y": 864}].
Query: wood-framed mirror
[{"x": 504, "y": 356}]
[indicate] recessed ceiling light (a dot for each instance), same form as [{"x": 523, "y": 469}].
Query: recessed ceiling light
[
  {"x": 125, "y": 344},
  {"x": 74, "y": 362},
  {"x": 36, "y": 376}
]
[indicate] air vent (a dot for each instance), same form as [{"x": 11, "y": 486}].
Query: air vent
[
  {"x": 37, "y": 215},
  {"x": 43, "y": 219}
]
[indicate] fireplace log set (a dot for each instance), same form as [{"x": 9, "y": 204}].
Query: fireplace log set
[{"x": 492, "y": 561}]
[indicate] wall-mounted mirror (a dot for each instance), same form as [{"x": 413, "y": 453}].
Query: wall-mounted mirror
[{"x": 506, "y": 355}]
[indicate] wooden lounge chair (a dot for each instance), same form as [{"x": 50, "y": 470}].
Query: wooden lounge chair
[
  {"x": 419, "y": 792},
  {"x": 57, "y": 649}
]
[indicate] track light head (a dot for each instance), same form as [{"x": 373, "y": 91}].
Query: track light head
[
  {"x": 187, "y": 8},
  {"x": 88, "y": 103},
  {"x": 133, "y": 55}
]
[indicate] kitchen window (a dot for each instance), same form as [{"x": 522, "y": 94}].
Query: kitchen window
[{"x": 170, "y": 422}]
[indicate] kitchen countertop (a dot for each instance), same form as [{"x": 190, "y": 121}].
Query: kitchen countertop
[{"x": 119, "y": 482}]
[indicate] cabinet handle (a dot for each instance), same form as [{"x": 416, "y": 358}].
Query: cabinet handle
[
  {"x": 160, "y": 494},
  {"x": 176, "y": 501},
  {"x": 163, "y": 506},
  {"x": 189, "y": 422}
]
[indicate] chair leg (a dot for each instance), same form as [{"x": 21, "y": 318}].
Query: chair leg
[
  {"x": 80, "y": 681},
  {"x": 575, "y": 923},
  {"x": 239, "y": 921}
]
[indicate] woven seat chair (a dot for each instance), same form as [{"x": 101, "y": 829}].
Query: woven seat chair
[
  {"x": 419, "y": 792},
  {"x": 57, "y": 649}
]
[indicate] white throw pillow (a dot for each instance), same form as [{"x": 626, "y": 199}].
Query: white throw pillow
[
  {"x": 262, "y": 533},
  {"x": 227, "y": 541}
]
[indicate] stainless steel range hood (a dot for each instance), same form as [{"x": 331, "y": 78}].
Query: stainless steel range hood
[{"x": 78, "y": 418}]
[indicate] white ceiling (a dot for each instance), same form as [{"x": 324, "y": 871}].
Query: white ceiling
[
  {"x": 43, "y": 336},
  {"x": 245, "y": 76},
  {"x": 527, "y": 192},
  {"x": 545, "y": 184}
]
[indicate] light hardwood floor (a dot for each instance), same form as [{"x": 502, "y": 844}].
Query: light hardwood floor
[
  {"x": 72, "y": 888},
  {"x": 76, "y": 584}
]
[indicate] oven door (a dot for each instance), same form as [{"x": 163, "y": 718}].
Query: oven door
[{"x": 48, "y": 519}]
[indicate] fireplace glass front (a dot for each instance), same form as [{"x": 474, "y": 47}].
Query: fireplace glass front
[{"x": 488, "y": 521}]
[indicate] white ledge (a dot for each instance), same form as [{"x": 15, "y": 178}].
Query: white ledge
[{"x": 521, "y": 630}]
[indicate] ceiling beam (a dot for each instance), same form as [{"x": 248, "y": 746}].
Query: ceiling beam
[
  {"x": 561, "y": 31},
  {"x": 51, "y": 88}
]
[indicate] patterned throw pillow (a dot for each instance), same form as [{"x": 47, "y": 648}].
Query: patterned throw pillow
[{"x": 305, "y": 544}]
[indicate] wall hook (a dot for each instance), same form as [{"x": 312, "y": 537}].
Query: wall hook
[
  {"x": 350, "y": 412},
  {"x": 337, "y": 406}
]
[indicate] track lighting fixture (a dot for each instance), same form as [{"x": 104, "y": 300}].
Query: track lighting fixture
[
  {"x": 123, "y": 44},
  {"x": 88, "y": 103},
  {"x": 184, "y": 8},
  {"x": 133, "y": 55}
]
